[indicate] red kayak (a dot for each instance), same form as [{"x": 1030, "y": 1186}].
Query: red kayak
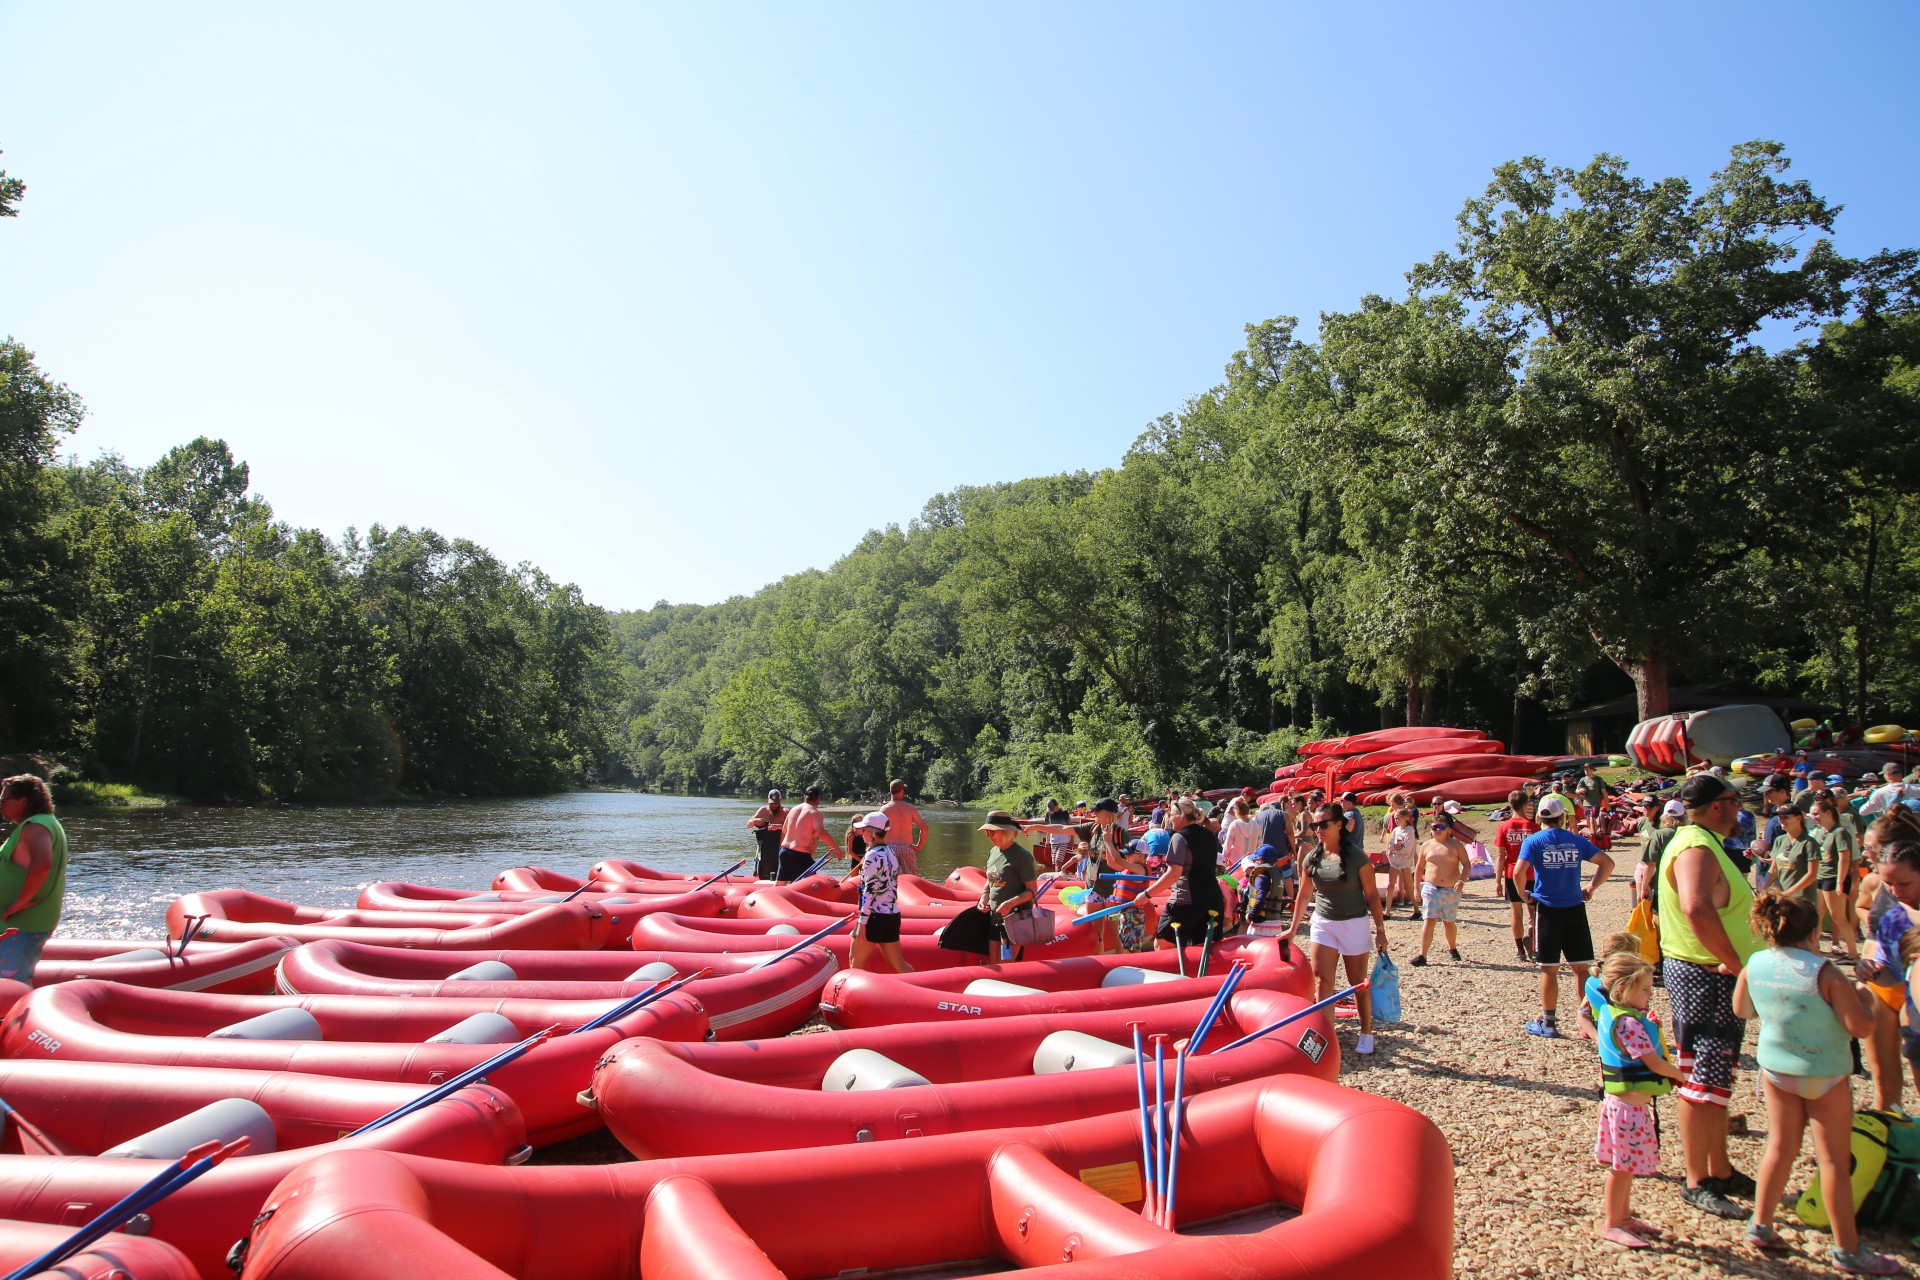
[
  {"x": 1270, "y": 1172},
  {"x": 1083, "y": 984},
  {"x": 231, "y": 915},
  {"x": 1431, "y": 769},
  {"x": 882, "y": 1083},
  {"x": 227, "y": 968},
  {"x": 360, "y": 1037},
  {"x": 1378, "y": 739},
  {"x": 80, "y": 1135},
  {"x": 745, "y": 997},
  {"x": 1476, "y": 790}
]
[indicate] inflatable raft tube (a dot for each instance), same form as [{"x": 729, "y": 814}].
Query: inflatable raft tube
[
  {"x": 477, "y": 1125},
  {"x": 1881, "y": 733},
  {"x": 664, "y": 1099},
  {"x": 1269, "y": 1174},
  {"x": 745, "y": 998},
  {"x": 227, "y": 968},
  {"x": 1085, "y": 984},
  {"x": 233, "y": 915},
  {"x": 114, "y": 1257},
  {"x": 357, "y": 1037}
]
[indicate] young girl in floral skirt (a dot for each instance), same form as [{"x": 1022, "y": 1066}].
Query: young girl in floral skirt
[{"x": 1635, "y": 1069}]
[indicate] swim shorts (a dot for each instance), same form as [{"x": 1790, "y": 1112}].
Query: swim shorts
[
  {"x": 1440, "y": 904},
  {"x": 882, "y": 927},
  {"x": 1706, "y": 1035},
  {"x": 20, "y": 953}
]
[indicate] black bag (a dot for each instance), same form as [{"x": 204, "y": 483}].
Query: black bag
[{"x": 970, "y": 931}]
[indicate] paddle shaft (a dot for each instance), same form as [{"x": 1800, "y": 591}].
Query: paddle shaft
[{"x": 1315, "y": 1007}]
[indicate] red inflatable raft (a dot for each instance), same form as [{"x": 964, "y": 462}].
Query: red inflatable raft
[
  {"x": 1079, "y": 985},
  {"x": 917, "y": 941},
  {"x": 360, "y": 1037},
  {"x": 229, "y": 915},
  {"x": 64, "y": 1114},
  {"x": 226, "y": 968},
  {"x": 1289, "y": 1179},
  {"x": 117, "y": 1257},
  {"x": 745, "y": 997},
  {"x": 882, "y": 1083},
  {"x": 392, "y": 895}
]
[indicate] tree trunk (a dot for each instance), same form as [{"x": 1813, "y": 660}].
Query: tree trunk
[
  {"x": 1863, "y": 620},
  {"x": 1415, "y": 682},
  {"x": 1513, "y": 739},
  {"x": 1649, "y": 676}
]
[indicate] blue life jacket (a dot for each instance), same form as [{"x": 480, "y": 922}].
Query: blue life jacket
[{"x": 1621, "y": 1073}]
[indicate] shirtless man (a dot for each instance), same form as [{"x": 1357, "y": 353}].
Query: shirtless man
[
  {"x": 767, "y": 823},
  {"x": 906, "y": 831},
  {"x": 1443, "y": 867}
]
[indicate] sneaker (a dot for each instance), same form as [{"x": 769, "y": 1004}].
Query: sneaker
[
  {"x": 1541, "y": 1027},
  {"x": 1761, "y": 1236},
  {"x": 1455, "y": 953},
  {"x": 1864, "y": 1262},
  {"x": 1419, "y": 961},
  {"x": 1734, "y": 1184},
  {"x": 1707, "y": 1200},
  {"x": 1364, "y": 1044}
]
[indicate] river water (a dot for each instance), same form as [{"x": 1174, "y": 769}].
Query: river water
[{"x": 128, "y": 864}]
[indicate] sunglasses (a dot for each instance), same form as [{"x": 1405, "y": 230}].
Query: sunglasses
[{"x": 1325, "y": 822}]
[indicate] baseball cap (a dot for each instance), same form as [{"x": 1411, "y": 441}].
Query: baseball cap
[
  {"x": 875, "y": 821},
  {"x": 1552, "y": 806},
  {"x": 1702, "y": 789},
  {"x": 1452, "y": 806},
  {"x": 1785, "y": 811},
  {"x": 1835, "y": 780},
  {"x": 1266, "y": 853},
  {"x": 1106, "y": 806},
  {"x": 775, "y": 794},
  {"x": 1674, "y": 809}
]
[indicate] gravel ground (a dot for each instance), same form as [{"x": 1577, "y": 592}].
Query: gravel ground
[{"x": 1519, "y": 1112}]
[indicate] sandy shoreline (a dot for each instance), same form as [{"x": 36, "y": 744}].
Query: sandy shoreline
[{"x": 1519, "y": 1112}]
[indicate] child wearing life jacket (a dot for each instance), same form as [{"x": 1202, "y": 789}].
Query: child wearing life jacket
[
  {"x": 1809, "y": 1012},
  {"x": 1263, "y": 896},
  {"x": 1633, "y": 1061}
]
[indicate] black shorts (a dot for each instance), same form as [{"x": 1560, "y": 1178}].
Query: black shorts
[
  {"x": 1193, "y": 920},
  {"x": 793, "y": 865},
  {"x": 1513, "y": 890},
  {"x": 1827, "y": 884},
  {"x": 882, "y": 927},
  {"x": 1560, "y": 935}
]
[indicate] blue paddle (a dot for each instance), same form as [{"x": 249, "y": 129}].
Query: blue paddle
[
  {"x": 723, "y": 875},
  {"x": 1315, "y": 1007},
  {"x": 163, "y": 1184}
]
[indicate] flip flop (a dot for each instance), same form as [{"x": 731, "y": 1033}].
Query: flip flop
[{"x": 1624, "y": 1238}]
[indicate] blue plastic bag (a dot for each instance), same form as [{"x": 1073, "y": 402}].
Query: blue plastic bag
[{"x": 1386, "y": 989}]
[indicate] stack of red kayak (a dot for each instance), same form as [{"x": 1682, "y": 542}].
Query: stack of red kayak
[
  {"x": 1438, "y": 763},
  {"x": 375, "y": 1072}
]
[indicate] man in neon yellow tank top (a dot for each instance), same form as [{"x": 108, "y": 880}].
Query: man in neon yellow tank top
[
  {"x": 1705, "y": 941},
  {"x": 33, "y": 873}
]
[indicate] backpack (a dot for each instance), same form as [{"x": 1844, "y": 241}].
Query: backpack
[{"x": 1886, "y": 1174}]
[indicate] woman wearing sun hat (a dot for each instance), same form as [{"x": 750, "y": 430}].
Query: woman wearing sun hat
[{"x": 1013, "y": 878}]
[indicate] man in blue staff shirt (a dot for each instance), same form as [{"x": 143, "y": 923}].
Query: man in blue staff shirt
[{"x": 1549, "y": 865}]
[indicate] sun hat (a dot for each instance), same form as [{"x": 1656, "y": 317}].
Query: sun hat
[
  {"x": 1000, "y": 820},
  {"x": 1551, "y": 806}
]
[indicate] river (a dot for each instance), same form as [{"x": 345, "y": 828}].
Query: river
[{"x": 128, "y": 864}]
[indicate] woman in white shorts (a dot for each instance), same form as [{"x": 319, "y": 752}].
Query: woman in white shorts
[{"x": 1345, "y": 900}]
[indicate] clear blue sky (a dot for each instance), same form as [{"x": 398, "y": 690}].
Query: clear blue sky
[{"x": 675, "y": 300}]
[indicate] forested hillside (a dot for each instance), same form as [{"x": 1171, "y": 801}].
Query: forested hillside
[
  {"x": 1561, "y": 462},
  {"x": 1624, "y": 434}
]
